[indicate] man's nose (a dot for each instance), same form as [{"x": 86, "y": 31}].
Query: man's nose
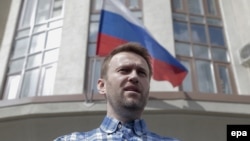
[{"x": 133, "y": 77}]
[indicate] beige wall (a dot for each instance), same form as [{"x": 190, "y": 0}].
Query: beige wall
[
  {"x": 70, "y": 75},
  {"x": 184, "y": 119},
  {"x": 4, "y": 10},
  {"x": 236, "y": 17},
  {"x": 187, "y": 126},
  {"x": 7, "y": 39}
]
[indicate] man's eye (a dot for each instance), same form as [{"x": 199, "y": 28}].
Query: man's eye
[
  {"x": 142, "y": 73},
  {"x": 124, "y": 70}
]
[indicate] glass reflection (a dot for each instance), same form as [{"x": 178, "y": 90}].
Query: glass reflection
[
  {"x": 37, "y": 43},
  {"x": 16, "y": 66},
  {"x": 196, "y": 7},
  {"x": 224, "y": 80},
  {"x": 43, "y": 10},
  {"x": 201, "y": 52},
  {"x": 34, "y": 60},
  {"x": 178, "y": 4},
  {"x": 216, "y": 36},
  {"x": 20, "y": 47},
  {"x": 181, "y": 31},
  {"x": 54, "y": 38},
  {"x": 12, "y": 87},
  {"x": 183, "y": 49},
  {"x": 29, "y": 87},
  {"x": 205, "y": 76},
  {"x": 198, "y": 33},
  {"x": 220, "y": 54},
  {"x": 187, "y": 84},
  {"x": 211, "y": 7}
]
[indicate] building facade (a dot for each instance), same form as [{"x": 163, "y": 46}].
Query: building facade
[{"x": 49, "y": 70}]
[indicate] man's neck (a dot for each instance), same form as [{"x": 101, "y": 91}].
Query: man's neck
[{"x": 124, "y": 115}]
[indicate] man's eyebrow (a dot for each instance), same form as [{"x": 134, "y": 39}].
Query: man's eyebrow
[
  {"x": 143, "y": 69},
  {"x": 131, "y": 66}
]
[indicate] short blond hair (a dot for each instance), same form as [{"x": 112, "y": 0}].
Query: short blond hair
[{"x": 128, "y": 47}]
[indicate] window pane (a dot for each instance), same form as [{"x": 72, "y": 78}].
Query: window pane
[
  {"x": 37, "y": 43},
  {"x": 20, "y": 47},
  {"x": 195, "y": 7},
  {"x": 134, "y": 4},
  {"x": 205, "y": 77},
  {"x": 57, "y": 9},
  {"x": 98, "y": 5},
  {"x": 94, "y": 17},
  {"x": 50, "y": 56},
  {"x": 54, "y": 38},
  {"x": 34, "y": 60},
  {"x": 220, "y": 54},
  {"x": 92, "y": 50},
  {"x": 16, "y": 66},
  {"x": 201, "y": 52},
  {"x": 93, "y": 32},
  {"x": 216, "y": 36},
  {"x": 43, "y": 10},
  {"x": 187, "y": 84},
  {"x": 178, "y": 4},
  {"x": 28, "y": 10},
  {"x": 198, "y": 33},
  {"x": 224, "y": 80},
  {"x": 29, "y": 87},
  {"x": 211, "y": 7},
  {"x": 183, "y": 49},
  {"x": 48, "y": 80},
  {"x": 12, "y": 86},
  {"x": 95, "y": 67},
  {"x": 181, "y": 31},
  {"x": 138, "y": 14}
]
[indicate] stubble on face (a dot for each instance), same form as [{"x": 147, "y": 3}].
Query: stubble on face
[{"x": 133, "y": 102}]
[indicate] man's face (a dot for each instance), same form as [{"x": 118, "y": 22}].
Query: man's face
[{"x": 127, "y": 83}]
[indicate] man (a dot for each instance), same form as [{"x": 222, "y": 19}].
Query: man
[{"x": 125, "y": 81}]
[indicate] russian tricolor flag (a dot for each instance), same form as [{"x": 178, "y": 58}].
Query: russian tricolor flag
[{"x": 118, "y": 25}]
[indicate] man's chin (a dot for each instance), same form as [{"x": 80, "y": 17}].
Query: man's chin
[{"x": 133, "y": 105}]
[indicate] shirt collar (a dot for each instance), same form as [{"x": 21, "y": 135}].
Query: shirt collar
[{"x": 110, "y": 125}]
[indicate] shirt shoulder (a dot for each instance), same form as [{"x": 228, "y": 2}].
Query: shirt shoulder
[{"x": 78, "y": 136}]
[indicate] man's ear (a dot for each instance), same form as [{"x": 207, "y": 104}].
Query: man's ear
[{"x": 101, "y": 86}]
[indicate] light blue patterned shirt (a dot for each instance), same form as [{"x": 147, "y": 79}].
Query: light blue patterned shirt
[{"x": 112, "y": 130}]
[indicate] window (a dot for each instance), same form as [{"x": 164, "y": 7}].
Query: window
[
  {"x": 200, "y": 44},
  {"x": 34, "y": 57},
  {"x": 94, "y": 62}
]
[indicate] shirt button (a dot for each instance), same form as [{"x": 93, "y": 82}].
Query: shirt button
[{"x": 119, "y": 126}]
